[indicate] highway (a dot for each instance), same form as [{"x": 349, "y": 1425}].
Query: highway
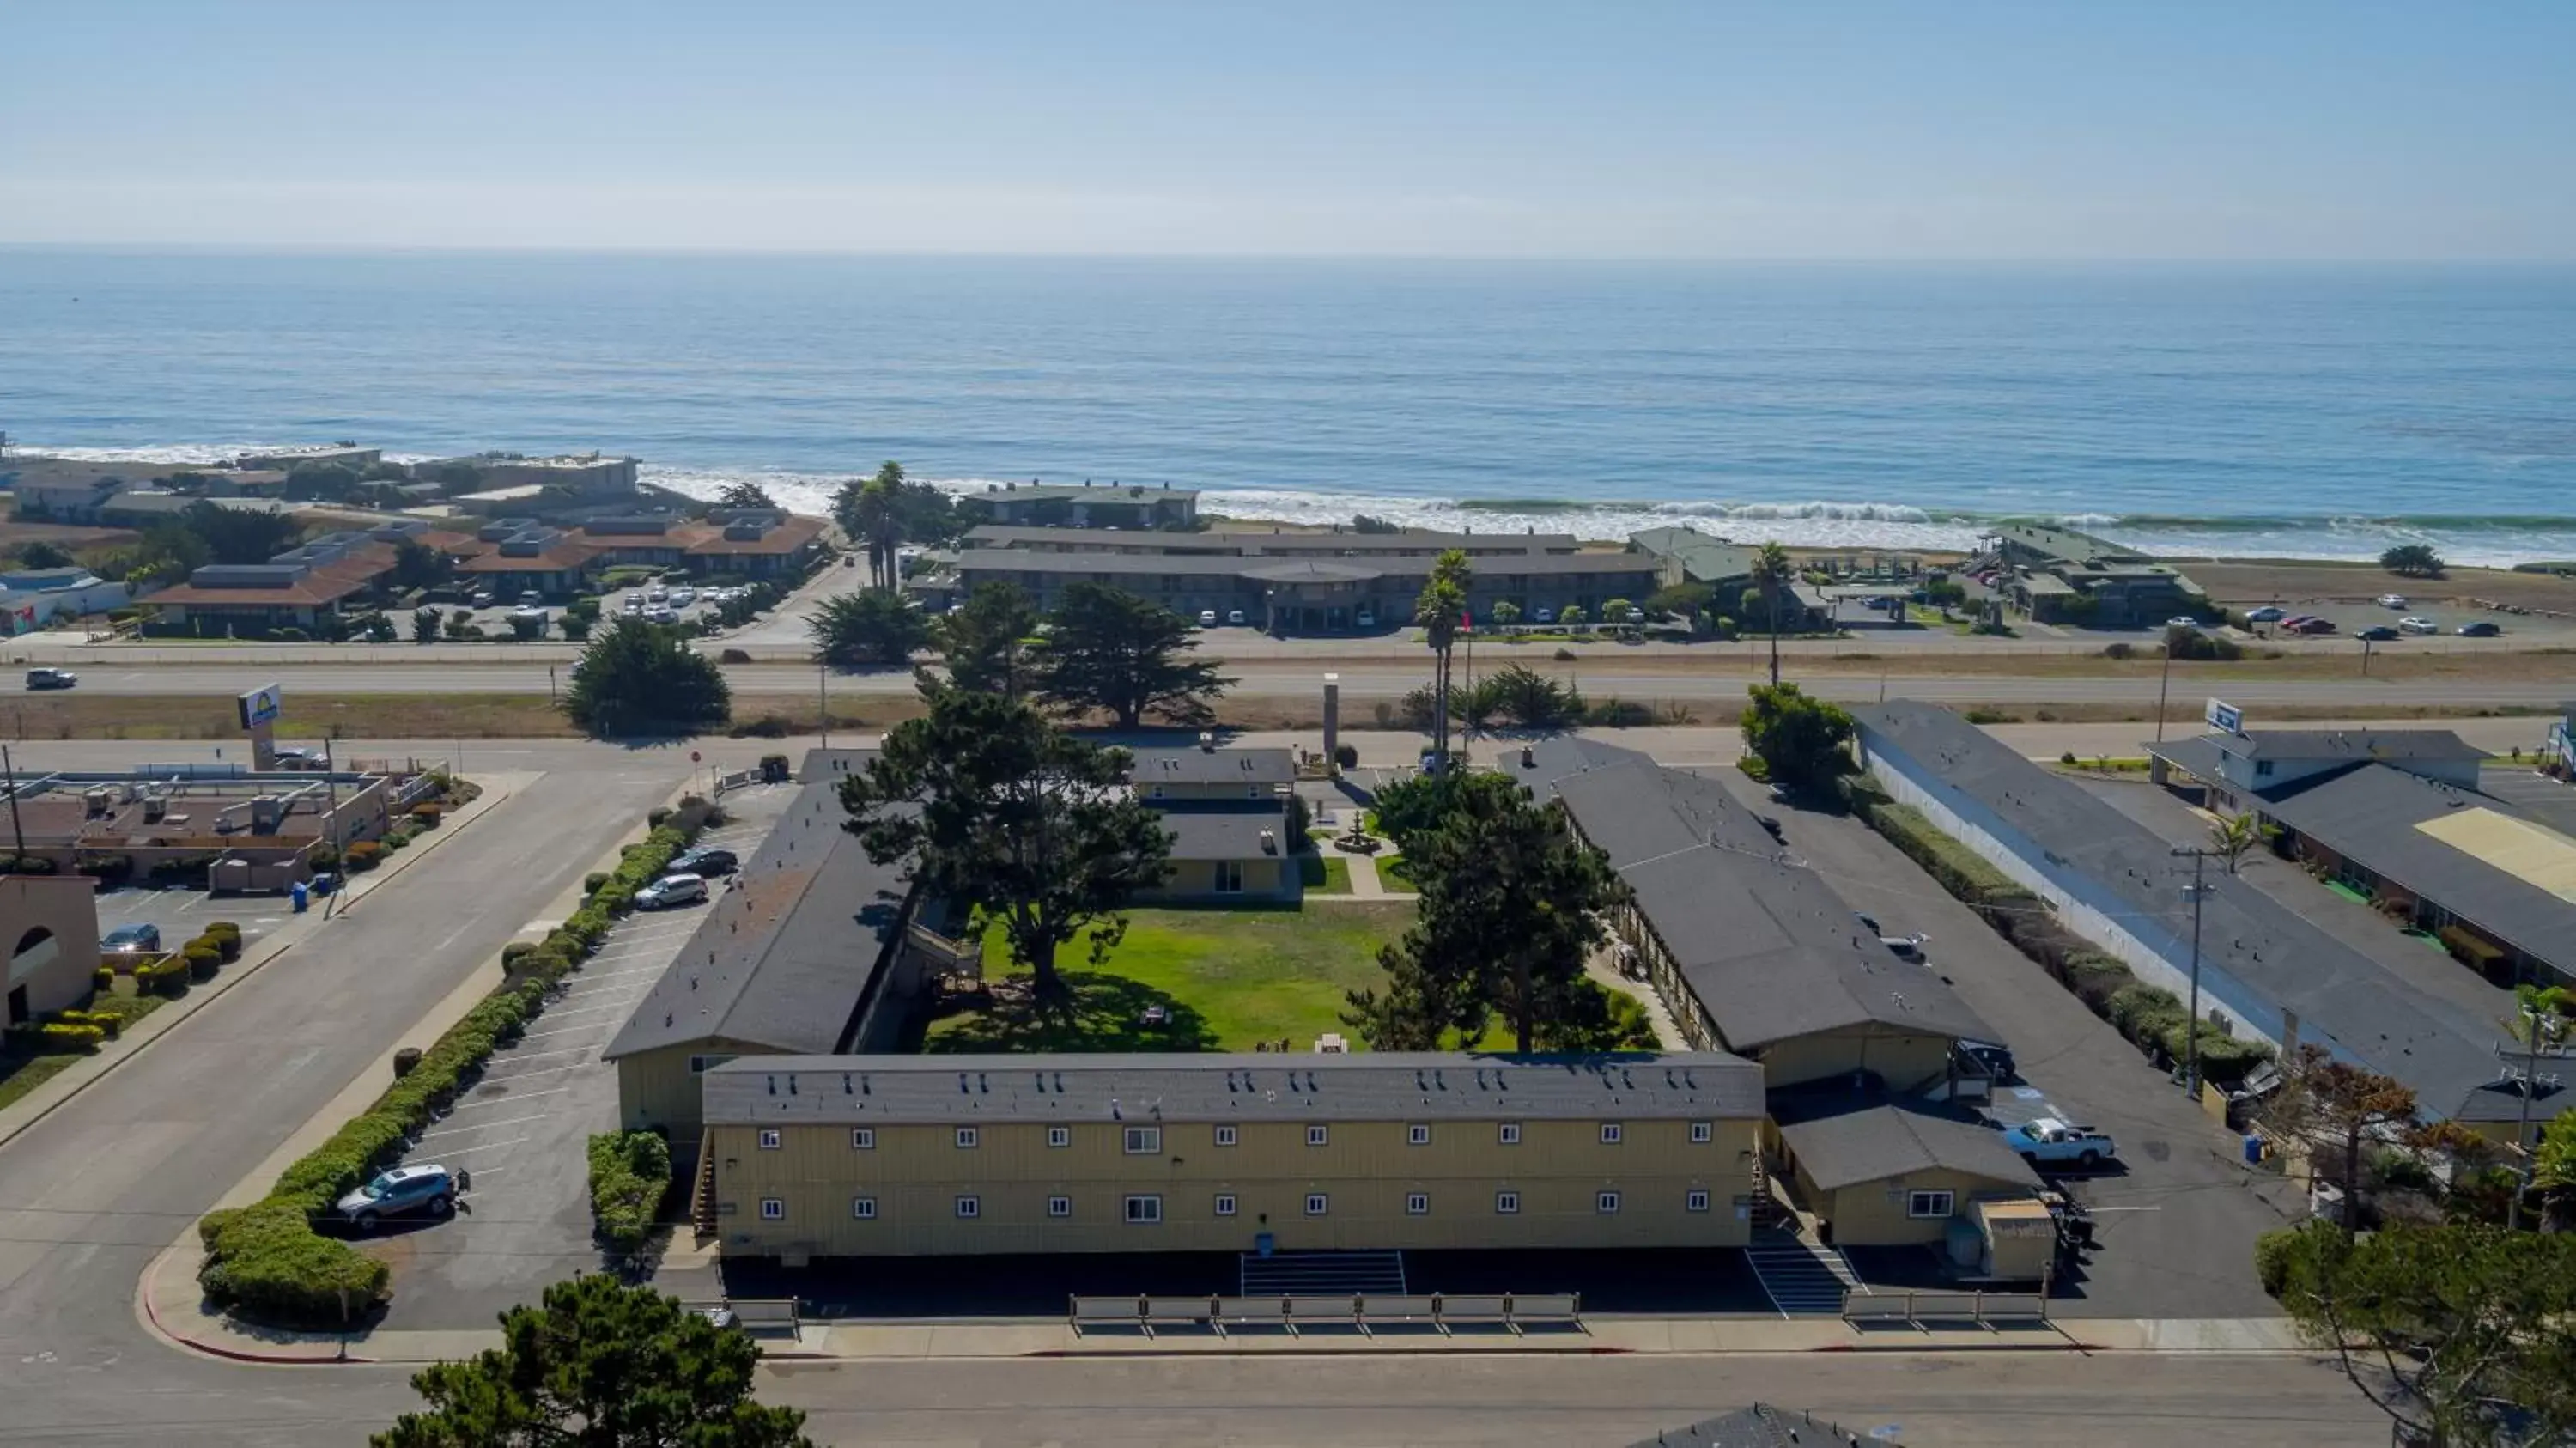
[{"x": 1362, "y": 682}]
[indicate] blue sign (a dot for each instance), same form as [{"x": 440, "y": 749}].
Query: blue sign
[
  {"x": 2225, "y": 718},
  {"x": 260, "y": 706}
]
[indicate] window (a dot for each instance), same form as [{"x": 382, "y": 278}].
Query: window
[
  {"x": 1225, "y": 1204},
  {"x": 1609, "y": 1133},
  {"x": 1701, "y": 1131},
  {"x": 1059, "y": 1136},
  {"x": 1315, "y": 1136},
  {"x": 768, "y": 1141},
  {"x": 1225, "y": 1136},
  {"x": 864, "y": 1208},
  {"x": 1144, "y": 1140},
  {"x": 1697, "y": 1201},
  {"x": 1059, "y": 1206},
  {"x": 701, "y": 1064},
  {"x": 1510, "y": 1135},
  {"x": 969, "y": 1208},
  {"x": 1506, "y": 1203},
  {"x": 773, "y": 1209},
  {"x": 1927, "y": 1204},
  {"x": 966, "y": 1138},
  {"x": 1317, "y": 1204},
  {"x": 1157, "y": 793},
  {"x": 1252, "y": 791},
  {"x": 2262, "y": 766},
  {"x": 1418, "y": 1135},
  {"x": 1144, "y": 1211},
  {"x": 1229, "y": 877},
  {"x": 1417, "y": 1204},
  {"x": 1606, "y": 1203},
  {"x": 863, "y": 1138}
]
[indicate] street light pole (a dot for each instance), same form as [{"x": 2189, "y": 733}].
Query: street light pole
[
  {"x": 823, "y": 699},
  {"x": 2198, "y": 891},
  {"x": 2164, "y": 682}
]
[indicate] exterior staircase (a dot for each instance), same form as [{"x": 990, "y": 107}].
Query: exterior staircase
[
  {"x": 1322, "y": 1274},
  {"x": 1801, "y": 1278},
  {"x": 702, "y": 1194}
]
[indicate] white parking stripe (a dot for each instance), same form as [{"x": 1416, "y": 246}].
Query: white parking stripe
[
  {"x": 514, "y": 1058},
  {"x": 482, "y": 1125},
  {"x": 487, "y": 1146},
  {"x": 542, "y": 1071},
  {"x": 513, "y": 1099},
  {"x": 631, "y": 970},
  {"x": 624, "y": 1005}
]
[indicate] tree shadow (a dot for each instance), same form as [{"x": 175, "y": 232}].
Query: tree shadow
[{"x": 1098, "y": 1012}]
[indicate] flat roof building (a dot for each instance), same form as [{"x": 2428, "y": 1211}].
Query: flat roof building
[
  {"x": 1117, "y": 505},
  {"x": 2266, "y": 970},
  {"x": 843, "y": 1156}
]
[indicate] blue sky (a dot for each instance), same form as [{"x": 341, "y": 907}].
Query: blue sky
[{"x": 2162, "y": 128}]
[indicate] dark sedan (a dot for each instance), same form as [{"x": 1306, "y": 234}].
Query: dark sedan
[{"x": 705, "y": 862}]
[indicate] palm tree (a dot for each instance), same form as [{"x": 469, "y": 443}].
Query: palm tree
[
  {"x": 1771, "y": 572},
  {"x": 1438, "y": 609},
  {"x": 877, "y": 521},
  {"x": 2234, "y": 836}
]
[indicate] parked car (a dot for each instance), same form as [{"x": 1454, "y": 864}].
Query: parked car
[
  {"x": 2049, "y": 1140},
  {"x": 661, "y": 613},
  {"x": 634, "y": 603},
  {"x": 530, "y": 598},
  {"x": 1364, "y": 619},
  {"x": 683, "y": 597},
  {"x": 1996, "y": 1058},
  {"x": 2416, "y": 624},
  {"x": 132, "y": 939},
  {"x": 670, "y": 891},
  {"x": 2182, "y": 620},
  {"x": 482, "y": 599},
  {"x": 400, "y": 1192},
  {"x": 51, "y": 679},
  {"x": 657, "y": 594},
  {"x": 1207, "y": 618},
  {"x": 2266, "y": 614},
  {"x": 2378, "y": 633},
  {"x": 2314, "y": 626},
  {"x": 2392, "y": 600},
  {"x": 705, "y": 862},
  {"x": 1234, "y": 616},
  {"x": 529, "y": 611},
  {"x": 1542, "y": 615},
  {"x": 2480, "y": 629}
]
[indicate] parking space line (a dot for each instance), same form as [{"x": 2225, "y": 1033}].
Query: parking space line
[
  {"x": 482, "y": 1125},
  {"x": 626, "y": 1004},
  {"x": 543, "y": 1071},
  {"x": 514, "y": 1058},
  {"x": 511, "y": 1100},
  {"x": 636, "y": 970},
  {"x": 487, "y": 1146},
  {"x": 566, "y": 1031}
]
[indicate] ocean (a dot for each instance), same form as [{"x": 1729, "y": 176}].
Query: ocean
[{"x": 2313, "y": 411}]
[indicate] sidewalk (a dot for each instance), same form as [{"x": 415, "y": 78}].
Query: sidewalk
[{"x": 39, "y": 1103}]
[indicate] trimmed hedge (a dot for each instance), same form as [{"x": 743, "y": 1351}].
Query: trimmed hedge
[
  {"x": 629, "y": 1171},
  {"x": 266, "y": 1262},
  {"x": 1962, "y": 871}
]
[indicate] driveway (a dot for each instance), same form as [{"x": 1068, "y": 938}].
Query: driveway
[
  {"x": 2176, "y": 1224},
  {"x": 524, "y": 1131}
]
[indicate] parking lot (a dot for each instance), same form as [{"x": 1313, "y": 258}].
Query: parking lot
[
  {"x": 2176, "y": 1219},
  {"x": 522, "y": 1132},
  {"x": 181, "y": 913}
]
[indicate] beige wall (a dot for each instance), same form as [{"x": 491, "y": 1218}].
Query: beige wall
[
  {"x": 49, "y": 932},
  {"x": 1196, "y": 880},
  {"x": 1366, "y": 1170},
  {"x": 657, "y": 1088},
  {"x": 1903, "y": 1061},
  {"x": 1159, "y": 792},
  {"x": 1873, "y": 1214}
]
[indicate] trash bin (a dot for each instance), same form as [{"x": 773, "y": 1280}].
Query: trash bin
[
  {"x": 302, "y": 896},
  {"x": 324, "y": 882},
  {"x": 2253, "y": 1149}
]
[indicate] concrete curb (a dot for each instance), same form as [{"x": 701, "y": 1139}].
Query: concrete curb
[
  {"x": 179, "y": 1012},
  {"x": 150, "y": 1317}
]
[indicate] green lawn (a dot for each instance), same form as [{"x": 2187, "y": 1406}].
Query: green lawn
[
  {"x": 1395, "y": 872},
  {"x": 1326, "y": 874},
  {"x": 1227, "y": 978},
  {"x": 22, "y": 1074}
]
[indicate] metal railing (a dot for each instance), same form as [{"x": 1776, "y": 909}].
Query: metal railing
[
  {"x": 1363, "y": 1311},
  {"x": 1926, "y": 1310},
  {"x": 754, "y": 1315}
]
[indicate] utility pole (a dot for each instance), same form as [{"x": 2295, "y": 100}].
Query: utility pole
[
  {"x": 823, "y": 699},
  {"x": 331, "y": 824},
  {"x": 2164, "y": 682},
  {"x": 17, "y": 828},
  {"x": 2196, "y": 891},
  {"x": 2365, "y": 658}
]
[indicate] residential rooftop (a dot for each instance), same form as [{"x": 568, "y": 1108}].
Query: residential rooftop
[
  {"x": 1842, "y": 1139},
  {"x": 1149, "y": 1088},
  {"x": 1212, "y": 766}
]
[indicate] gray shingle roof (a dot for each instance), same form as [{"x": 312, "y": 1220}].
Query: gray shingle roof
[
  {"x": 1843, "y": 1140},
  {"x": 1271, "y": 540},
  {"x": 1212, "y": 766},
  {"x": 2355, "y": 744},
  {"x": 2369, "y": 815},
  {"x": 787, "y": 950},
  {"x": 1770, "y": 950},
  {"x": 1142, "y": 1089},
  {"x": 1227, "y": 834},
  {"x": 2340, "y": 995},
  {"x": 1761, "y": 1426},
  {"x": 1706, "y": 557},
  {"x": 1410, "y": 566}
]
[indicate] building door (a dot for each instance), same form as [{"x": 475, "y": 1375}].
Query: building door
[{"x": 18, "y": 1005}]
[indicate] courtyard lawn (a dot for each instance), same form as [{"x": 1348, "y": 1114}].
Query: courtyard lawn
[
  {"x": 1227, "y": 978},
  {"x": 1326, "y": 874}
]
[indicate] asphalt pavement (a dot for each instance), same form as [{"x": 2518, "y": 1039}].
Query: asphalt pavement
[{"x": 90, "y": 1194}]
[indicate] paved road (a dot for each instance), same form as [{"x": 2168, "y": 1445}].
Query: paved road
[
  {"x": 90, "y": 1194},
  {"x": 1362, "y": 682}
]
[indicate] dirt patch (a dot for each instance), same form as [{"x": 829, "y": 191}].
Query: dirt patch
[{"x": 2290, "y": 583}]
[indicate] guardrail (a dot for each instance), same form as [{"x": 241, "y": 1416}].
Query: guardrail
[
  {"x": 1515, "y": 1312},
  {"x": 1924, "y": 1310}
]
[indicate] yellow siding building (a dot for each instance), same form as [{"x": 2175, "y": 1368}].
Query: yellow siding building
[{"x": 911, "y": 1156}]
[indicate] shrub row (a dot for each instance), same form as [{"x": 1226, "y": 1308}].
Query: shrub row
[
  {"x": 2152, "y": 1018},
  {"x": 266, "y": 1262},
  {"x": 629, "y": 1171}
]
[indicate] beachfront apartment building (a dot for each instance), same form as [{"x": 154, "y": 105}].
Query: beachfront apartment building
[
  {"x": 1109, "y": 505},
  {"x": 286, "y": 460},
  {"x": 867, "y": 1156},
  {"x": 2057, "y": 575}
]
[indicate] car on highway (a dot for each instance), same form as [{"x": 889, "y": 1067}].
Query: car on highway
[
  {"x": 1207, "y": 618},
  {"x": 2480, "y": 629},
  {"x": 2268, "y": 613},
  {"x": 52, "y": 679},
  {"x": 2378, "y": 633},
  {"x": 398, "y": 1193},
  {"x": 2054, "y": 1142},
  {"x": 704, "y": 862},
  {"x": 671, "y": 891},
  {"x": 300, "y": 759},
  {"x": 2311, "y": 626},
  {"x": 134, "y": 939},
  {"x": 2417, "y": 624},
  {"x": 2392, "y": 600}
]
